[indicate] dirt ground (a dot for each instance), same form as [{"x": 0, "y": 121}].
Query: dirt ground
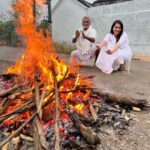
[{"x": 135, "y": 85}]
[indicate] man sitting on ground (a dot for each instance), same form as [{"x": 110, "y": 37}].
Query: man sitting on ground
[{"x": 84, "y": 39}]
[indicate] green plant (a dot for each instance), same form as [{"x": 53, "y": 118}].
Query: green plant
[
  {"x": 5, "y": 29},
  {"x": 63, "y": 47}
]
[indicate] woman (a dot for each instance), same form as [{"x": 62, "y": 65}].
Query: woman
[{"x": 114, "y": 49}]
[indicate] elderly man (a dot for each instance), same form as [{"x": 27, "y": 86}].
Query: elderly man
[{"x": 84, "y": 39}]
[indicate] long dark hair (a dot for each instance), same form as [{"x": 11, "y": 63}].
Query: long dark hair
[{"x": 114, "y": 23}]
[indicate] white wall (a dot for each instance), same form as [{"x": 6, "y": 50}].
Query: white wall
[
  {"x": 135, "y": 16},
  {"x": 66, "y": 18}
]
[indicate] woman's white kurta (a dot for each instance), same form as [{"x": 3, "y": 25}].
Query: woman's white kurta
[{"x": 107, "y": 63}]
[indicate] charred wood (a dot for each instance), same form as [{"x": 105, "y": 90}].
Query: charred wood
[
  {"x": 110, "y": 97},
  {"x": 16, "y": 132}
]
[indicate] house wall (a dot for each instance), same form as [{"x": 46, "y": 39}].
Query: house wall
[
  {"x": 135, "y": 17},
  {"x": 65, "y": 19}
]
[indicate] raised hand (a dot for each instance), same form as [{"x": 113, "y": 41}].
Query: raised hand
[
  {"x": 97, "y": 47},
  {"x": 77, "y": 33}
]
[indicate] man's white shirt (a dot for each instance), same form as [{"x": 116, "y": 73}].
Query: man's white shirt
[{"x": 83, "y": 44}]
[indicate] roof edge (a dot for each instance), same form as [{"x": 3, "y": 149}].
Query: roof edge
[
  {"x": 104, "y": 2},
  {"x": 83, "y": 2}
]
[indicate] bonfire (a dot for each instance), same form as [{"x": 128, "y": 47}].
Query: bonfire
[
  {"x": 45, "y": 98},
  {"x": 44, "y": 88}
]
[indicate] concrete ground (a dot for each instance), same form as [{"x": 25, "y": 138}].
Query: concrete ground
[{"x": 135, "y": 85}]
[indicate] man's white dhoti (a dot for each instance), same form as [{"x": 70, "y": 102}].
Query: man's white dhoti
[{"x": 77, "y": 55}]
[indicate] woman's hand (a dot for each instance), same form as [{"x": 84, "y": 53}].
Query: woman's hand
[
  {"x": 109, "y": 52},
  {"x": 98, "y": 47}
]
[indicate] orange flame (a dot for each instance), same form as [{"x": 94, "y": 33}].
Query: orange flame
[
  {"x": 39, "y": 51},
  {"x": 40, "y": 55}
]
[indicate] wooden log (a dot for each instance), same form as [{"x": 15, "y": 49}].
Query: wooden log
[
  {"x": 93, "y": 112},
  {"x": 16, "y": 132},
  {"x": 38, "y": 136},
  {"x": 4, "y": 104},
  {"x": 10, "y": 90},
  {"x": 37, "y": 94},
  {"x": 89, "y": 135},
  {"x": 110, "y": 97},
  {"x": 50, "y": 94},
  {"x": 7, "y": 100},
  {"x": 77, "y": 88},
  {"x": 57, "y": 136},
  {"x": 23, "y": 108},
  {"x": 27, "y": 138},
  {"x": 42, "y": 97}
]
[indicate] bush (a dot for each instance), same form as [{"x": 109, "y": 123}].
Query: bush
[
  {"x": 5, "y": 29},
  {"x": 7, "y": 32},
  {"x": 63, "y": 47}
]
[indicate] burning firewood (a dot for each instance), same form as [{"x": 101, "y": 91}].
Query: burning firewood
[
  {"x": 38, "y": 136},
  {"x": 17, "y": 131},
  {"x": 39, "y": 109},
  {"x": 46, "y": 85},
  {"x": 10, "y": 90},
  {"x": 23, "y": 108},
  {"x": 88, "y": 134},
  {"x": 57, "y": 135}
]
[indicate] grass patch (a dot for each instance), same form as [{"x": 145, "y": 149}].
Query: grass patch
[{"x": 63, "y": 47}]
